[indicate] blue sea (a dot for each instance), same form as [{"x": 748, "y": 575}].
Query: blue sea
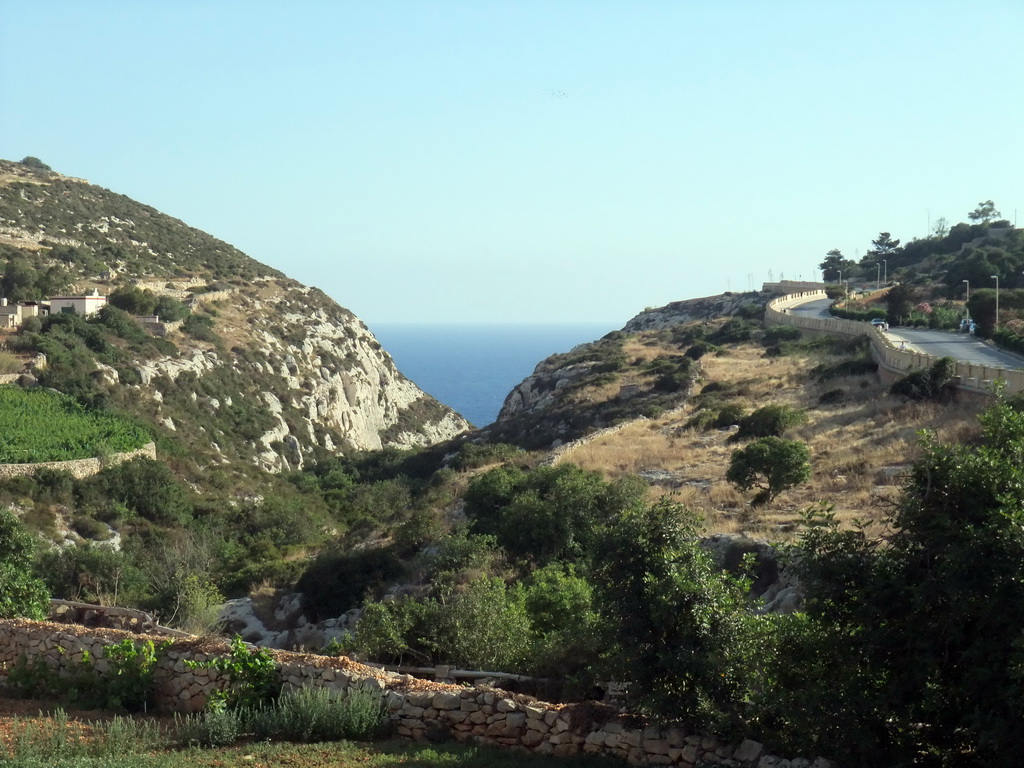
[{"x": 473, "y": 367}]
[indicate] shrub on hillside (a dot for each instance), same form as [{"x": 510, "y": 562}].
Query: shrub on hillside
[
  {"x": 336, "y": 581},
  {"x": 769, "y": 421},
  {"x": 21, "y": 594},
  {"x": 934, "y": 383}
]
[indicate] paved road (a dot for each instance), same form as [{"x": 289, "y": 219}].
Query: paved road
[
  {"x": 816, "y": 308},
  {"x": 960, "y": 346}
]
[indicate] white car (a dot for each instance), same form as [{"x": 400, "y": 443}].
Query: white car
[{"x": 880, "y": 323}]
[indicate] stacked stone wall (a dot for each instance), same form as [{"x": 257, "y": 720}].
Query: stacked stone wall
[
  {"x": 77, "y": 468},
  {"x": 418, "y": 709}
]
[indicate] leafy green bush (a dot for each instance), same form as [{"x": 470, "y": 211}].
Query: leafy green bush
[
  {"x": 21, "y": 594},
  {"x": 200, "y": 327},
  {"x": 769, "y": 421},
  {"x": 211, "y": 728},
  {"x": 934, "y": 383},
  {"x": 92, "y": 573},
  {"x": 126, "y": 685},
  {"x": 734, "y": 331},
  {"x": 252, "y": 677},
  {"x": 475, "y": 455},
  {"x": 550, "y": 513},
  {"x": 484, "y": 626},
  {"x": 780, "y": 333},
  {"x": 844, "y": 368},
  {"x": 307, "y": 715},
  {"x": 338, "y": 581},
  {"x": 678, "y": 627},
  {"x": 149, "y": 488},
  {"x": 907, "y": 649},
  {"x": 317, "y": 714}
]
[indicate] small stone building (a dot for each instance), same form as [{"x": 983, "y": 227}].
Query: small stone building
[{"x": 13, "y": 315}]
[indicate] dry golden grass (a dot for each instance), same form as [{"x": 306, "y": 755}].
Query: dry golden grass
[
  {"x": 638, "y": 349},
  {"x": 860, "y": 449}
]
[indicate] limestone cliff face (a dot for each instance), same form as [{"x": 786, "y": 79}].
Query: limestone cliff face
[
  {"x": 282, "y": 370},
  {"x": 317, "y": 374},
  {"x": 541, "y": 390}
]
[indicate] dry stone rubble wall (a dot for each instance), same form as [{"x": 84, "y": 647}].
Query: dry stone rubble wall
[
  {"x": 417, "y": 709},
  {"x": 77, "y": 468}
]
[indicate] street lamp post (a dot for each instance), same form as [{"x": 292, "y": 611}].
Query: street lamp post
[
  {"x": 885, "y": 270},
  {"x": 846, "y": 293},
  {"x": 996, "y": 278},
  {"x": 967, "y": 299},
  {"x": 878, "y": 274}
]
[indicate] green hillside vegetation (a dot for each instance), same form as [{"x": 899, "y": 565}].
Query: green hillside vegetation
[
  {"x": 109, "y": 230},
  {"x": 479, "y": 553},
  {"x": 40, "y": 425}
]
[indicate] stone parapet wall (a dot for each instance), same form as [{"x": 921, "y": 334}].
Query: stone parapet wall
[
  {"x": 975, "y": 379},
  {"x": 417, "y": 709},
  {"x": 77, "y": 468}
]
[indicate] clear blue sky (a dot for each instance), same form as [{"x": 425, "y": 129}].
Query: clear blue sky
[{"x": 527, "y": 161}]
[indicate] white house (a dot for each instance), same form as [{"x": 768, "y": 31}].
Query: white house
[{"x": 77, "y": 305}]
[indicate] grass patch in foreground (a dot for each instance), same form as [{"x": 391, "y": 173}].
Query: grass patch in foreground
[{"x": 332, "y": 755}]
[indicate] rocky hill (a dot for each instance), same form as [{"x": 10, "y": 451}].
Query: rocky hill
[
  {"x": 643, "y": 370},
  {"x": 263, "y": 370}
]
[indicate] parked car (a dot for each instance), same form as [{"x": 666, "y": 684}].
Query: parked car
[{"x": 880, "y": 323}]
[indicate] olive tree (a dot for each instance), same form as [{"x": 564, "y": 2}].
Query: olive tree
[{"x": 770, "y": 464}]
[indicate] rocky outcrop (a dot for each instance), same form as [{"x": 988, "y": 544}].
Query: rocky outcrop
[
  {"x": 540, "y": 390},
  {"x": 693, "y": 310}
]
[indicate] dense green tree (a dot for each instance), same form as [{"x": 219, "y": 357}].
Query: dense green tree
[
  {"x": 882, "y": 247},
  {"x": 549, "y": 513},
  {"x": 680, "y": 630},
  {"x": 933, "y": 614},
  {"x": 19, "y": 280},
  {"x": 133, "y": 300},
  {"x": 149, "y": 489},
  {"x": 35, "y": 163},
  {"x": 835, "y": 264},
  {"x": 984, "y": 213},
  {"x": 21, "y": 594},
  {"x": 899, "y": 301},
  {"x": 770, "y": 464}
]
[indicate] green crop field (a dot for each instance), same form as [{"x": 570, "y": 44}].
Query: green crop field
[{"x": 41, "y": 425}]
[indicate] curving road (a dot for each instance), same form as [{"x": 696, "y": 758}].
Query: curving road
[
  {"x": 959, "y": 346},
  {"x": 815, "y": 308}
]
